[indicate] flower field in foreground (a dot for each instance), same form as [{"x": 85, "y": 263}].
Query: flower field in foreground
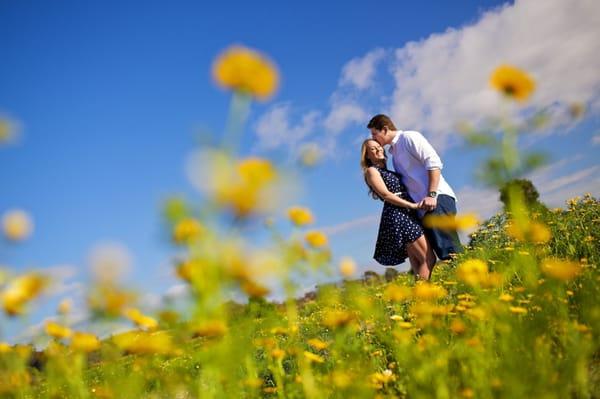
[{"x": 515, "y": 315}]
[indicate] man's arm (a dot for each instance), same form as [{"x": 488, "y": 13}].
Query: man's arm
[
  {"x": 422, "y": 150},
  {"x": 429, "y": 203}
]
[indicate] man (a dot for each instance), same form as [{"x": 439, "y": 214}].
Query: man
[{"x": 420, "y": 166}]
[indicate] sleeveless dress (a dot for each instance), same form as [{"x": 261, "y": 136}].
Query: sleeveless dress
[{"x": 398, "y": 225}]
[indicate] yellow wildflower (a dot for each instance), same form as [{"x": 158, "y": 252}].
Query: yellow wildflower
[
  {"x": 142, "y": 342},
  {"x": 457, "y": 326},
  {"x": 300, "y": 216},
  {"x": 378, "y": 380},
  {"x": 512, "y": 82},
  {"x": 313, "y": 357},
  {"x": 316, "y": 239},
  {"x": 210, "y": 329},
  {"x": 534, "y": 232},
  {"x": 397, "y": 293},
  {"x": 247, "y": 71},
  {"x": 277, "y": 353},
  {"x": 187, "y": 231},
  {"x": 140, "y": 319},
  {"x": 7, "y": 131},
  {"x": 17, "y": 225},
  {"x": 472, "y": 271},
  {"x": 5, "y": 347},
  {"x": 65, "y": 306},
  {"x": 84, "y": 342},
  {"x": 428, "y": 291},
  {"x": 337, "y": 318},
  {"x": 518, "y": 310},
  {"x": 187, "y": 269},
  {"x": 561, "y": 269},
  {"x": 254, "y": 290},
  {"x": 317, "y": 344},
  {"x": 109, "y": 299},
  {"x": 347, "y": 267},
  {"x": 57, "y": 331},
  {"x": 451, "y": 222},
  {"x": 20, "y": 291},
  {"x": 506, "y": 297}
]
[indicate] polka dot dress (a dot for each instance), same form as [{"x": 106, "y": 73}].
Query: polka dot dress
[{"x": 398, "y": 226}]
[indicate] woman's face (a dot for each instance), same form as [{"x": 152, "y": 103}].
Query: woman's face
[{"x": 375, "y": 152}]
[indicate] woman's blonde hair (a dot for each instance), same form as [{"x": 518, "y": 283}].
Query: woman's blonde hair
[{"x": 365, "y": 163}]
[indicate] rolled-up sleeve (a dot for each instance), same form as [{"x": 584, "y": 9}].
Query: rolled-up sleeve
[{"x": 420, "y": 148}]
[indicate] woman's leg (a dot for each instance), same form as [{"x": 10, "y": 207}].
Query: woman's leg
[{"x": 418, "y": 256}]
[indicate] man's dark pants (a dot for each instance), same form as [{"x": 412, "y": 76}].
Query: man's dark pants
[{"x": 443, "y": 242}]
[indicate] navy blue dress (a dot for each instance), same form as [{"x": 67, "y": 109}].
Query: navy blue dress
[{"x": 398, "y": 226}]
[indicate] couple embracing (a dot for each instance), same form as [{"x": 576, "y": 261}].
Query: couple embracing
[{"x": 413, "y": 190}]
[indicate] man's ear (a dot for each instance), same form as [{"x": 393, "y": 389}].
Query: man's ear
[{"x": 384, "y": 129}]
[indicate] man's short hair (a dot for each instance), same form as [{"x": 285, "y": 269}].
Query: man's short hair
[{"x": 379, "y": 121}]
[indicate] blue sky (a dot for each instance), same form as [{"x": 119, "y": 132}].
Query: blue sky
[{"x": 112, "y": 96}]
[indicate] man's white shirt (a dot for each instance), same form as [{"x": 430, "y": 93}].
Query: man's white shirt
[{"x": 412, "y": 157}]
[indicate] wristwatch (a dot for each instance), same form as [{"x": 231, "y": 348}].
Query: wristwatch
[{"x": 432, "y": 194}]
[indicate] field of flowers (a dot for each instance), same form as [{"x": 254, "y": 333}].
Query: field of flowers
[{"x": 516, "y": 315}]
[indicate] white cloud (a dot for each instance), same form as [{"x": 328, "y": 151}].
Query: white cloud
[
  {"x": 359, "y": 72},
  {"x": 274, "y": 128},
  {"x": 343, "y": 115},
  {"x": 596, "y": 139},
  {"x": 350, "y": 225},
  {"x": 444, "y": 79}
]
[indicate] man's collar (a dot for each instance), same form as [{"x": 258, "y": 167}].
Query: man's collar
[{"x": 396, "y": 138}]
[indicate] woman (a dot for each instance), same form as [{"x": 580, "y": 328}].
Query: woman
[{"x": 400, "y": 233}]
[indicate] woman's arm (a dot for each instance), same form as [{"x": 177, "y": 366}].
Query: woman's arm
[{"x": 376, "y": 182}]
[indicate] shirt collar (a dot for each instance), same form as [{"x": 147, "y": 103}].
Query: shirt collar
[{"x": 396, "y": 138}]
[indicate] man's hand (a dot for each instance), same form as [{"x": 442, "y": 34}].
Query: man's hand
[{"x": 429, "y": 203}]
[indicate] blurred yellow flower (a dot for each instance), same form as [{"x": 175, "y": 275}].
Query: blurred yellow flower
[
  {"x": 247, "y": 71},
  {"x": 561, "y": 269},
  {"x": 313, "y": 357},
  {"x": 20, "y": 291},
  {"x": 533, "y": 231},
  {"x": 84, "y": 342},
  {"x": 17, "y": 225},
  {"x": 7, "y": 131},
  {"x": 109, "y": 299},
  {"x": 5, "y": 347},
  {"x": 210, "y": 329},
  {"x": 428, "y": 291},
  {"x": 277, "y": 353},
  {"x": 451, "y": 222},
  {"x": 253, "y": 289},
  {"x": 506, "y": 297},
  {"x": 142, "y": 342},
  {"x": 317, "y": 344},
  {"x": 337, "y": 318},
  {"x": 457, "y": 326},
  {"x": 472, "y": 271},
  {"x": 512, "y": 82},
  {"x": 187, "y": 231},
  {"x": 65, "y": 306},
  {"x": 300, "y": 216},
  {"x": 140, "y": 319},
  {"x": 316, "y": 239},
  {"x": 56, "y": 330},
  {"x": 378, "y": 380},
  {"x": 347, "y": 267},
  {"x": 187, "y": 269},
  {"x": 518, "y": 310},
  {"x": 397, "y": 293}
]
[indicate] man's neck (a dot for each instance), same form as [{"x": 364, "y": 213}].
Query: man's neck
[{"x": 391, "y": 136}]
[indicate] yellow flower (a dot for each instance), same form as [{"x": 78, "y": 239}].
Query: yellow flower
[
  {"x": 397, "y": 293},
  {"x": 518, "y": 310},
  {"x": 506, "y": 297},
  {"x": 210, "y": 329},
  {"x": 7, "y": 131},
  {"x": 451, "y": 222},
  {"x": 20, "y": 291},
  {"x": 142, "y": 342},
  {"x": 254, "y": 290},
  {"x": 512, "y": 82},
  {"x": 457, "y": 326},
  {"x": 337, "y": 318},
  {"x": 140, "y": 319},
  {"x": 278, "y": 353},
  {"x": 534, "y": 232},
  {"x": 313, "y": 357},
  {"x": 110, "y": 299},
  {"x": 187, "y": 269},
  {"x": 561, "y": 269},
  {"x": 4, "y": 347},
  {"x": 57, "y": 331},
  {"x": 17, "y": 225},
  {"x": 347, "y": 267},
  {"x": 84, "y": 342},
  {"x": 300, "y": 216},
  {"x": 317, "y": 344},
  {"x": 187, "y": 231},
  {"x": 316, "y": 239},
  {"x": 428, "y": 291},
  {"x": 378, "y": 380},
  {"x": 472, "y": 271},
  {"x": 64, "y": 307},
  {"x": 247, "y": 71}
]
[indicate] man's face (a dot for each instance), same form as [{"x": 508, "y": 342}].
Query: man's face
[{"x": 379, "y": 135}]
